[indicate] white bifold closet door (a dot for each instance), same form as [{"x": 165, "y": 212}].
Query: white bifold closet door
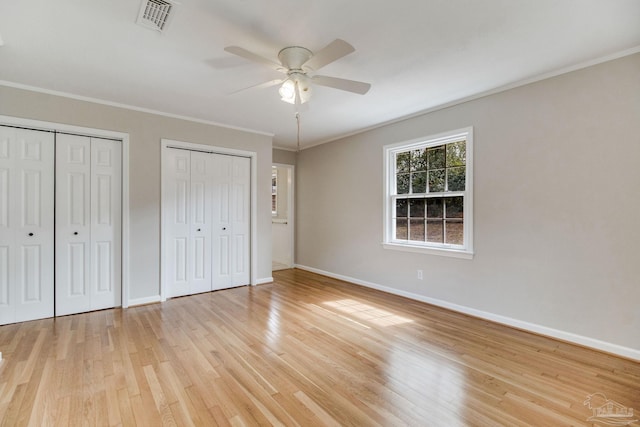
[
  {"x": 88, "y": 224},
  {"x": 231, "y": 195},
  {"x": 204, "y": 205},
  {"x": 26, "y": 224},
  {"x": 187, "y": 218}
]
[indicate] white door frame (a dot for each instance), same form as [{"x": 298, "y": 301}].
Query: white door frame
[
  {"x": 165, "y": 144},
  {"x": 100, "y": 133},
  {"x": 290, "y": 207}
]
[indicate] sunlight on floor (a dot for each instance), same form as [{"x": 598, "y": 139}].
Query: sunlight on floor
[
  {"x": 367, "y": 313},
  {"x": 443, "y": 384}
]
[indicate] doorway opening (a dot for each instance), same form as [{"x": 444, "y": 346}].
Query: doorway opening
[{"x": 282, "y": 221}]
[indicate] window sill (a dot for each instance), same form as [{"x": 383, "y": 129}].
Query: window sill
[{"x": 454, "y": 253}]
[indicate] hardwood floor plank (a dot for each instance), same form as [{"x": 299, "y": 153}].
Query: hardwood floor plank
[
  {"x": 321, "y": 415},
  {"x": 114, "y": 415},
  {"x": 125, "y": 408},
  {"x": 159, "y": 398},
  {"x": 306, "y": 350}
]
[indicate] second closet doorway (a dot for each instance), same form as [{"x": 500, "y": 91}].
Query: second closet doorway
[{"x": 206, "y": 224}]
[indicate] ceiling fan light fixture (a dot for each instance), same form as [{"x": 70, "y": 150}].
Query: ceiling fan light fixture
[
  {"x": 304, "y": 90},
  {"x": 288, "y": 91}
]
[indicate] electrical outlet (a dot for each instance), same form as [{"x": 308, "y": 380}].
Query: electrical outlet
[{"x": 419, "y": 274}]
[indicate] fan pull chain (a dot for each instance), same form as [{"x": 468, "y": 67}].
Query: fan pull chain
[{"x": 298, "y": 136}]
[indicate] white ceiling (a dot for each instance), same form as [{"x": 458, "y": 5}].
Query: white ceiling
[{"x": 417, "y": 54}]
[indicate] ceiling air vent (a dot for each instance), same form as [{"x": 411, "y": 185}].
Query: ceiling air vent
[{"x": 156, "y": 14}]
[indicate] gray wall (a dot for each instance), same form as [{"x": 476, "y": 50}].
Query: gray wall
[
  {"x": 557, "y": 206},
  {"x": 145, "y": 132},
  {"x": 284, "y": 157}
]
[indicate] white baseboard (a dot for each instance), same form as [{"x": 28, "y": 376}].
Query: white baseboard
[
  {"x": 264, "y": 280},
  {"x": 616, "y": 349},
  {"x": 158, "y": 298},
  {"x": 145, "y": 300}
]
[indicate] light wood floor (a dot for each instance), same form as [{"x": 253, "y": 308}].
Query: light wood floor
[{"x": 305, "y": 351}]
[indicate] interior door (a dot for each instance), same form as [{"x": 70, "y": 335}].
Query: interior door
[
  {"x": 205, "y": 221},
  {"x": 106, "y": 224},
  {"x": 73, "y": 224},
  {"x": 240, "y": 215},
  {"x": 176, "y": 212},
  {"x": 26, "y": 224},
  {"x": 88, "y": 224},
  {"x": 199, "y": 257},
  {"x": 231, "y": 226}
]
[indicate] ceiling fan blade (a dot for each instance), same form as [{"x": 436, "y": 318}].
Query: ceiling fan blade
[
  {"x": 259, "y": 86},
  {"x": 332, "y": 52},
  {"x": 342, "y": 84},
  {"x": 244, "y": 53}
]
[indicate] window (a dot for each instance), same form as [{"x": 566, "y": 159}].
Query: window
[
  {"x": 274, "y": 190},
  {"x": 428, "y": 195}
]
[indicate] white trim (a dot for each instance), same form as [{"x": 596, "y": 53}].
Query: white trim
[
  {"x": 389, "y": 242},
  {"x": 166, "y": 143},
  {"x": 126, "y": 223},
  {"x": 503, "y": 88},
  {"x": 454, "y": 253},
  {"x": 593, "y": 343},
  {"x": 254, "y": 216},
  {"x": 253, "y": 156},
  {"x": 285, "y": 148},
  {"x": 264, "y": 280},
  {"x": 124, "y": 137},
  {"x": 128, "y": 107},
  {"x": 143, "y": 301}
]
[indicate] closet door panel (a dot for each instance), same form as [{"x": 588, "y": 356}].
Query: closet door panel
[
  {"x": 73, "y": 224},
  {"x": 26, "y": 224},
  {"x": 7, "y": 270},
  {"x": 231, "y": 221},
  {"x": 5, "y": 262},
  {"x": 32, "y": 202},
  {"x": 222, "y": 225},
  {"x": 106, "y": 223},
  {"x": 240, "y": 220},
  {"x": 176, "y": 189},
  {"x": 200, "y": 242}
]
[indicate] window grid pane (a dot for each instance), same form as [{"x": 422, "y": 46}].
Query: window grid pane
[
  {"x": 436, "y": 169},
  {"x": 416, "y": 230},
  {"x": 454, "y": 232},
  {"x": 402, "y": 229},
  {"x": 435, "y": 231},
  {"x": 436, "y": 219}
]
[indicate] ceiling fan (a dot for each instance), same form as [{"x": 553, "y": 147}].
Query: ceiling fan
[{"x": 297, "y": 62}]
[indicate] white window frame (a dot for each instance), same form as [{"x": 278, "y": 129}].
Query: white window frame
[{"x": 389, "y": 167}]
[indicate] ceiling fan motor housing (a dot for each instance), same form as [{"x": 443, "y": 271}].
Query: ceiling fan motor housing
[{"x": 294, "y": 57}]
